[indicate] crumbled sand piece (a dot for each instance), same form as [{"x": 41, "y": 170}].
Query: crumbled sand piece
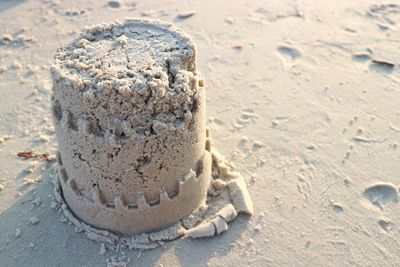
[
  {"x": 194, "y": 218},
  {"x": 219, "y": 184},
  {"x": 228, "y": 213},
  {"x": 16, "y": 65},
  {"x": 1, "y": 187},
  {"x": 54, "y": 205},
  {"x": 206, "y": 229},
  {"x": 5, "y": 138},
  {"x": 32, "y": 167},
  {"x": 240, "y": 196},
  {"x": 51, "y": 158},
  {"x": 29, "y": 181},
  {"x": 34, "y": 220},
  {"x": 36, "y": 201},
  {"x": 16, "y": 40},
  {"x": 103, "y": 249},
  {"x": 18, "y": 233},
  {"x": 118, "y": 261},
  {"x": 220, "y": 225},
  {"x": 170, "y": 233},
  {"x": 8, "y": 37},
  {"x": 44, "y": 138}
]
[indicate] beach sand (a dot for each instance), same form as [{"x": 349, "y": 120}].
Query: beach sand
[{"x": 302, "y": 97}]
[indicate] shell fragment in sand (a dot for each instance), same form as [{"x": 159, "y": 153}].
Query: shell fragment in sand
[{"x": 240, "y": 196}]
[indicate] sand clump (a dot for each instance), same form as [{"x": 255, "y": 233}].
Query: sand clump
[{"x": 135, "y": 155}]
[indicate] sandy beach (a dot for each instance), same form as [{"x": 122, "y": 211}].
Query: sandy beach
[{"x": 302, "y": 98}]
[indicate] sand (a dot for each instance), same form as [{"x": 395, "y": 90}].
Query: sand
[{"x": 302, "y": 97}]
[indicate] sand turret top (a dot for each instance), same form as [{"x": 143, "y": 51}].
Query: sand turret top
[
  {"x": 140, "y": 67},
  {"x": 124, "y": 49}
]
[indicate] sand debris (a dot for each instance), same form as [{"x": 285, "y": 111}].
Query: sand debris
[
  {"x": 217, "y": 225},
  {"x": 206, "y": 229},
  {"x": 118, "y": 261},
  {"x": 103, "y": 249},
  {"x": 29, "y": 181},
  {"x": 5, "y": 138},
  {"x": 228, "y": 213},
  {"x": 34, "y": 220},
  {"x": 240, "y": 196},
  {"x": 32, "y": 166},
  {"x": 18, "y": 233},
  {"x": 219, "y": 184}
]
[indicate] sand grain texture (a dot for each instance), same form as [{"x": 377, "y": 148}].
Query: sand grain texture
[{"x": 302, "y": 97}]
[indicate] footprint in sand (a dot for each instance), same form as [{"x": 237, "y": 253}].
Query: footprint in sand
[
  {"x": 378, "y": 66},
  {"x": 289, "y": 52},
  {"x": 114, "y": 4},
  {"x": 361, "y": 57},
  {"x": 337, "y": 208},
  {"x": 246, "y": 116},
  {"x": 381, "y": 193},
  {"x": 381, "y": 67},
  {"x": 386, "y": 225}
]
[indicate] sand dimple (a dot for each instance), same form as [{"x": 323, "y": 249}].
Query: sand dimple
[
  {"x": 386, "y": 225},
  {"x": 381, "y": 194},
  {"x": 290, "y": 52},
  {"x": 114, "y": 4},
  {"x": 337, "y": 208},
  {"x": 381, "y": 67},
  {"x": 361, "y": 57}
]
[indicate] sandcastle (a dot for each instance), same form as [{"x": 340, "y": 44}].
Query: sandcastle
[{"x": 129, "y": 112}]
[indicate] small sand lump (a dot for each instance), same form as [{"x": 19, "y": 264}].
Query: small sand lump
[
  {"x": 34, "y": 220},
  {"x": 18, "y": 233}
]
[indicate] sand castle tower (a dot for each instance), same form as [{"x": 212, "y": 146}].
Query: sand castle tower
[{"x": 129, "y": 113}]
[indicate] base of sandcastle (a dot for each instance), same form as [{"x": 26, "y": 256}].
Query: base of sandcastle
[
  {"x": 227, "y": 196},
  {"x": 142, "y": 217}
]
